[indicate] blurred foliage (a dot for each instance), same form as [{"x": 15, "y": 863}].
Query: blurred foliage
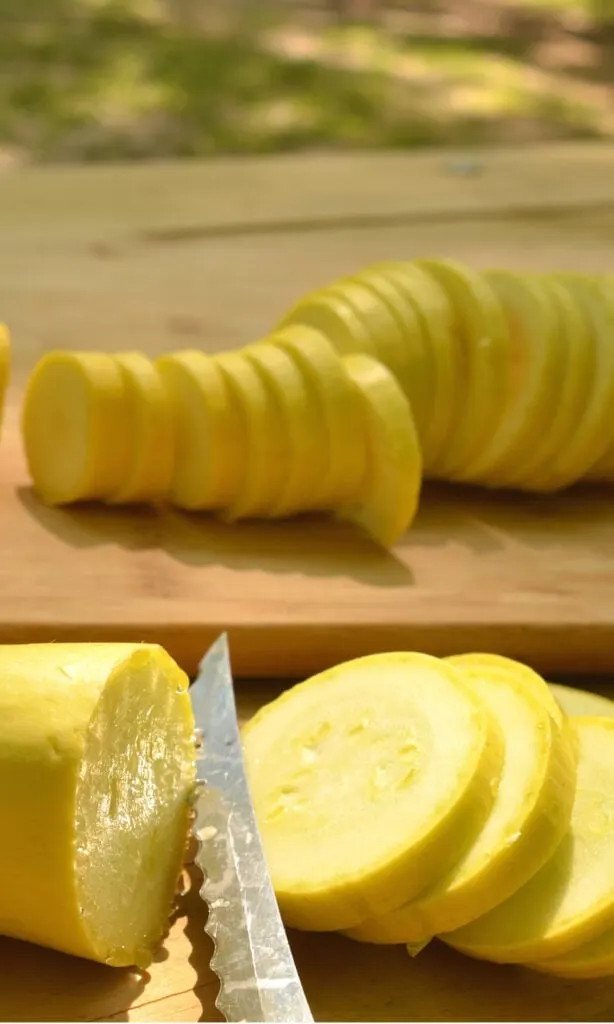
[{"x": 108, "y": 79}]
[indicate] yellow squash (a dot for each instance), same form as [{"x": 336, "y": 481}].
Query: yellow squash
[
  {"x": 96, "y": 775},
  {"x": 330, "y": 312},
  {"x": 338, "y": 406},
  {"x": 529, "y": 816},
  {"x": 570, "y": 901},
  {"x": 301, "y": 422},
  {"x": 582, "y": 702},
  {"x": 482, "y": 383},
  {"x": 363, "y": 780},
  {"x": 588, "y": 439},
  {"x": 75, "y": 422},
  {"x": 435, "y": 354},
  {"x": 267, "y": 460},
  {"x": 209, "y": 431},
  {"x": 532, "y": 373},
  {"x": 572, "y": 378},
  {"x": 406, "y": 353},
  {"x": 150, "y": 437},
  {"x": 388, "y": 502}
]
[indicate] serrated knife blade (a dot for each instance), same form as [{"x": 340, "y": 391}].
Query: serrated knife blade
[{"x": 252, "y": 957}]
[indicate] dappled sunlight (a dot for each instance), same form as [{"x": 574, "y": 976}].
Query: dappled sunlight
[{"x": 99, "y": 79}]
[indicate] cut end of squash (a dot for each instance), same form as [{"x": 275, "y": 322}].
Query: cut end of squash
[
  {"x": 75, "y": 424},
  {"x": 132, "y": 808}
]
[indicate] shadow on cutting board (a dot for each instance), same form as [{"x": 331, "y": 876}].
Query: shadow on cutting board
[{"x": 310, "y": 545}]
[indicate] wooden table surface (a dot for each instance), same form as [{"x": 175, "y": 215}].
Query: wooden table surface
[{"x": 170, "y": 256}]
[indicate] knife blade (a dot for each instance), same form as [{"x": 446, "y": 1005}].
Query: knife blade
[{"x": 252, "y": 957}]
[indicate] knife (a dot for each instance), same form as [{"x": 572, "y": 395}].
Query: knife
[{"x": 252, "y": 957}]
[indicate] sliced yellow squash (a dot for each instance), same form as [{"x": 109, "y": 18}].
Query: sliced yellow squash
[
  {"x": 529, "y": 816},
  {"x": 570, "y": 901},
  {"x": 96, "y": 774},
  {"x": 150, "y": 435},
  {"x": 582, "y": 702},
  {"x": 482, "y": 338},
  {"x": 75, "y": 422},
  {"x": 330, "y": 312},
  {"x": 302, "y": 423},
  {"x": 573, "y": 380},
  {"x": 435, "y": 349},
  {"x": 532, "y": 373},
  {"x": 5, "y": 364},
  {"x": 378, "y": 765},
  {"x": 209, "y": 431},
  {"x": 388, "y": 502},
  {"x": 268, "y": 452},
  {"x": 588, "y": 439},
  {"x": 595, "y": 959},
  {"x": 404, "y": 353},
  {"x": 338, "y": 405}
]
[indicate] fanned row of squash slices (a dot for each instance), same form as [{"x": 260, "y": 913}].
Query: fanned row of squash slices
[
  {"x": 408, "y": 369},
  {"x": 402, "y": 798}
]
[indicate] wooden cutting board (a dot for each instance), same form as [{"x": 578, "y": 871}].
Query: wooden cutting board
[
  {"x": 529, "y": 577},
  {"x": 344, "y": 980}
]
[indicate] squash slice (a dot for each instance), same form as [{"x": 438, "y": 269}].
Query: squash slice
[
  {"x": 529, "y": 816},
  {"x": 570, "y": 901},
  {"x": 378, "y": 764},
  {"x": 533, "y": 354},
  {"x": 96, "y": 775},
  {"x": 482, "y": 337},
  {"x": 338, "y": 406},
  {"x": 436, "y": 348},
  {"x": 330, "y": 312},
  {"x": 582, "y": 702},
  {"x": 407, "y": 355},
  {"x": 150, "y": 436},
  {"x": 389, "y": 500},
  {"x": 588, "y": 439},
  {"x": 302, "y": 423},
  {"x": 572, "y": 378},
  {"x": 75, "y": 421},
  {"x": 208, "y": 429},
  {"x": 268, "y": 452},
  {"x": 594, "y": 959}
]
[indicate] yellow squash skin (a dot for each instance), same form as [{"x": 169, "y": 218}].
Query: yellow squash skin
[
  {"x": 389, "y": 501},
  {"x": 380, "y": 762},
  {"x": 96, "y": 773},
  {"x": 406, "y": 352},
  {"x": 435, "y": 349},
  {"x": 5, "y": 364},
  {"x": 337, "y": 405},
  {"x": 533, "y": 355},
  {"x": 210, "y": 445},
  {"x": 582, "y": 702},
  {"x": 301, "y": 423},
  {"x": 75, "y": 421},
  {"x": 150, "y": 440},
  {"x": 529, "y": 816},
  {"x": 329, "y": 312},
  {"x": 570, "y": 901},
  {"x": 268, "y": 451},
  {"x": 594, "y": 959},
  {"x": 483, "y": 340}
]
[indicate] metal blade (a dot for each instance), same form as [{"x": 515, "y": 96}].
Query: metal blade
[{"x": 252, "y": 957}]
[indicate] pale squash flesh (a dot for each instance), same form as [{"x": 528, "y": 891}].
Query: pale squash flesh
[
  {"x": 96, "y": 776},
  {"x": 380, "y": 762}
]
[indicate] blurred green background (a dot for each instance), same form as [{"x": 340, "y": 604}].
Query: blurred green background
[{"x": 141, "y": 79}]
